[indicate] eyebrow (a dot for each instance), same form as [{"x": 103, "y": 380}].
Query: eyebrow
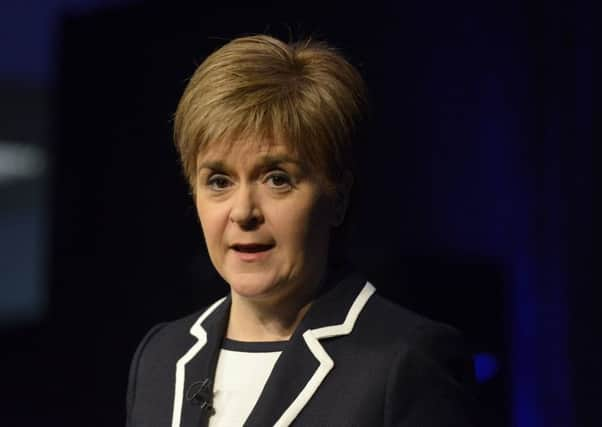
[{"x": 265, "y": 162}]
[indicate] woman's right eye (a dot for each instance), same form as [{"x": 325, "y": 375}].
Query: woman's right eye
[{"x": 218, "y": 182}]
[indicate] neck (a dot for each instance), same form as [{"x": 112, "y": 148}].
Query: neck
[{"x": 269, "y": 319}]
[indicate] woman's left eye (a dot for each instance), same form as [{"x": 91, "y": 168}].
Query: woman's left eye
[{"x": 279, "y": 180}]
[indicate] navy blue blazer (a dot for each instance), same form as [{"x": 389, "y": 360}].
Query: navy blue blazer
[{"x": 356, "y": 359}]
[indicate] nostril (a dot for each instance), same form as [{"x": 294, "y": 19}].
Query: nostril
[{"x": 250, "y": 223}]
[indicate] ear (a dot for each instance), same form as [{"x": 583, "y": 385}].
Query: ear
[{"x": 341, "y": 199}]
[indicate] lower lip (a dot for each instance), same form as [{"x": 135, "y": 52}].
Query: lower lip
[{"x": 253, "y": 256}]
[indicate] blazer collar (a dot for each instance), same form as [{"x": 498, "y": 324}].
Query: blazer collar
[
  {"x": 300, "y": 369},
  {"x": 197, "y": 365}
]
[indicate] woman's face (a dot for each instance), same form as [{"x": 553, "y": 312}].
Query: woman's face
[{"x": 265, "y": 218}]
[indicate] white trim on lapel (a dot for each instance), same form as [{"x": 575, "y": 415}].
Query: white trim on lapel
[
  {"x": 312, "y": 337},
  {"x": 198, "y": 331}
]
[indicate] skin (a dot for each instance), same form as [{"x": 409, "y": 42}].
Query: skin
[{"x": 262, "y": 193}]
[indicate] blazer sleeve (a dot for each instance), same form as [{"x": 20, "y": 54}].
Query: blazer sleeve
[
  {"x": 432, "y": 384},
  {"x": 133, "y": 374}
]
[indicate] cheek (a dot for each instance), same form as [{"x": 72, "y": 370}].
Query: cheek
[
  {"x": 212, "y": 225},
  {"x": 303, "y": 226}
]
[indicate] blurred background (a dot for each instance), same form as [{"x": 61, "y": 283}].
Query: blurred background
[{"x": 473, "y": 206}]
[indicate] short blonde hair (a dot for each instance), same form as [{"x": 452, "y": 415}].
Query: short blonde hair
[{"x": 305, "y": 94}]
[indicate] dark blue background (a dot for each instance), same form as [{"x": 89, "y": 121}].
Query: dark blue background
[{"x": 473, "y": 206}]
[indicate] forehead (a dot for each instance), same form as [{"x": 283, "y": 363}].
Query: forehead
[{"x": 247, "y": 151}]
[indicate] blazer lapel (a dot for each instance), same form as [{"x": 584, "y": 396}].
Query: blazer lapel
[
  {"x": 198, "y": 365},
  {"x": 304, "y": 364}
]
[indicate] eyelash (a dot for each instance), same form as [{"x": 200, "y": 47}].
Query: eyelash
[
  {"x": 214, "y": 179},
  {"x": 288, "y": 183}
]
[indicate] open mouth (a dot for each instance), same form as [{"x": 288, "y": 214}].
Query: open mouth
[{"x": 252, "y": 248}]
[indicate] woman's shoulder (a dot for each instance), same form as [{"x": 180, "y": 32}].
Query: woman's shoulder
[
  {"x": 403, "y": 328},
  {"x": 381, "y": 324},
  {"x": 170, "y": 337},
  {"x": 429, "y": 357}
]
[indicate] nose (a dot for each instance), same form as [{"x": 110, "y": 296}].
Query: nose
[{"x": 245, "y": 209}]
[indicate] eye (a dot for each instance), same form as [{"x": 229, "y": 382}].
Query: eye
[
  {"x": 218, "y": 182},
  {"x": 279, "y": 180}
]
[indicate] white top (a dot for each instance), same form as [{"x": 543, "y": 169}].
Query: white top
[{"x": 242, "y": 370}]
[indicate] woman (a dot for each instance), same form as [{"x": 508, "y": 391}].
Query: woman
[{"x": 264, "y": 130}]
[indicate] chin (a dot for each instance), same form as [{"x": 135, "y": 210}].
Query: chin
[{"x": 252, "y": 285}]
